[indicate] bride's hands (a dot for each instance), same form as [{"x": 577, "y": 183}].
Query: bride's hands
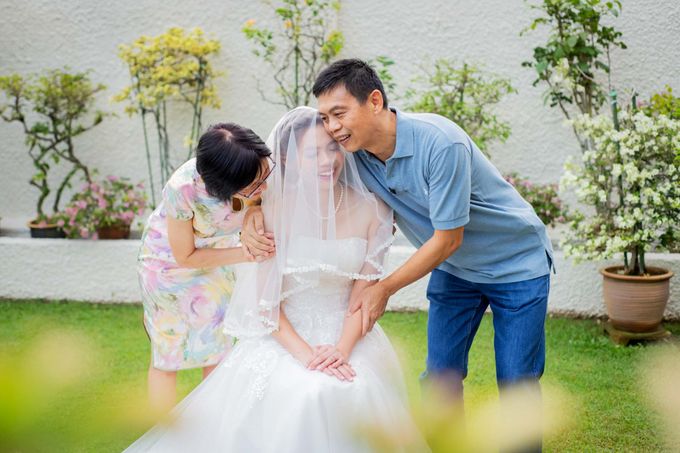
[
  {"x": 344, "y": 372},
  {"x": 332, "y": 361}
]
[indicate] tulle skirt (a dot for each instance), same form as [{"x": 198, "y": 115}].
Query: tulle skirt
[{"x": 260, "y": 399}]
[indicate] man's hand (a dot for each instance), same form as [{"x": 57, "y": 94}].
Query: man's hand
[
  {"x": 372, "y": 302},
  {"x": 257, "y": 243}
]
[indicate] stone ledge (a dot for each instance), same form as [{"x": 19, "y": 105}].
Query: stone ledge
[{"x": 105, "y": 271}]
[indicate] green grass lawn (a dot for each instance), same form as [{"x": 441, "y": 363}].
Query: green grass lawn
[{"x": 601, "y": 379}]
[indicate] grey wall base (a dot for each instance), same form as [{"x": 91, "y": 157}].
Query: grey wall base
[{"x": 105, "y": 271}]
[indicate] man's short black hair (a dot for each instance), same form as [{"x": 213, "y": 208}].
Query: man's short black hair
[
  {"x": 357, "y": 76},
  {"x": 229, "y": 158}
]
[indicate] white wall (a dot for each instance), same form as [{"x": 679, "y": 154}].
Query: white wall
[{"x": 39, "y": 34}]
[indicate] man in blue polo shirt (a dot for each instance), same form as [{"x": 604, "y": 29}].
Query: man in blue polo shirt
[{"x": 481, "y": 241}]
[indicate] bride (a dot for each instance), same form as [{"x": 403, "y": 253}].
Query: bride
[{"x": 301, "y": 378}]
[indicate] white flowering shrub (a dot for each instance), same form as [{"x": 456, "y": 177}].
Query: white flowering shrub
[{"x": 630, "y": 178}]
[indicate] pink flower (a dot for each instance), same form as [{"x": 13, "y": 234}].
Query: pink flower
[
  {"x": 60, "y": 223},
  {"x": 102, "y": 203},
  {"x": 82, "y": 204},
  {"x": 84, "y": 233},
  {"x": 112, "y": 178}
]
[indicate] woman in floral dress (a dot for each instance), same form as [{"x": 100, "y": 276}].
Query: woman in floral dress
[{"x": 188, "y": 243}]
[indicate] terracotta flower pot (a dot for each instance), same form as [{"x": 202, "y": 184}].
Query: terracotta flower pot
[
  {"x": 46, "y": 230},
  {"x": 635, "y": 303},
  {"x": 114, "y": 232}
]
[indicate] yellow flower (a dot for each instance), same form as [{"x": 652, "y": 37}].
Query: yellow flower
[{"x": 250, "y": 22}]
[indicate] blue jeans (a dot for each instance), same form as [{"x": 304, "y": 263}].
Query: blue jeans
[{"x": 456, "y": 310}]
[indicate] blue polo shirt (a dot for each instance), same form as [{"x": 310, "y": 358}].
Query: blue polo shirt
[{"x": 437, "y": 179}]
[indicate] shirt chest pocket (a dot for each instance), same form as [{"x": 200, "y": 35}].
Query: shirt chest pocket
[{"x": 413, "y": 188}]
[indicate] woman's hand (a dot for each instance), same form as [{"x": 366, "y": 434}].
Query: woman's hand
[
  {"x": 256, "y": 241},
  {"x": 344, "y": 372},
  {"x": 247, "y": 257},
  {"x": 305, "y": 356},
  {"x": 332, "y": 361}
]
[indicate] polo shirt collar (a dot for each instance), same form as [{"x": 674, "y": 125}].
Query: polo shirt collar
[{"x": 405, "y": 142}]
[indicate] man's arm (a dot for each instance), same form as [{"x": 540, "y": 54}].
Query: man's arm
[
  {"x": 435, "y": 251},
  {"x": 449, "y": 189}
]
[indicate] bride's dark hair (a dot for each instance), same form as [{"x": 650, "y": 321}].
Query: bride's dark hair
[
  {"x": 229, "y": 158},
  {"x": 298, "y": 128}
]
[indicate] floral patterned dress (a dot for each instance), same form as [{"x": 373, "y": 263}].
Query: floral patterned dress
[{"x": 184, "y": 308}]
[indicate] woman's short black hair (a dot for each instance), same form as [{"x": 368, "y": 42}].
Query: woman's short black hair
[
  {"x": 357, "y": 76},
  {"x": 229, "y": 158}
]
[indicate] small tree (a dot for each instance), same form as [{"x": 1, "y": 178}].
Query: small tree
[
  {"x": 60, "y": 101},
  {"x": 173, "y": 66},
  {"x": 575, "y": 60},
  {"x": 303, "y": 42},
  {"x": 465, "y": 95}
]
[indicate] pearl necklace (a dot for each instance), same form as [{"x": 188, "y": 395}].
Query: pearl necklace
[{"x": 337, "y": 208}]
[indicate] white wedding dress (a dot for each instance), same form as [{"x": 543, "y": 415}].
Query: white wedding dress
[{"x": 261, "y": 399}]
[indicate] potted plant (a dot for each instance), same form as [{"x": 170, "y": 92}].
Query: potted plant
[
  {"x": 629, "y": 177},
  {"x": 51, "y": 108},
  {"x": 104, "y": 210}
]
